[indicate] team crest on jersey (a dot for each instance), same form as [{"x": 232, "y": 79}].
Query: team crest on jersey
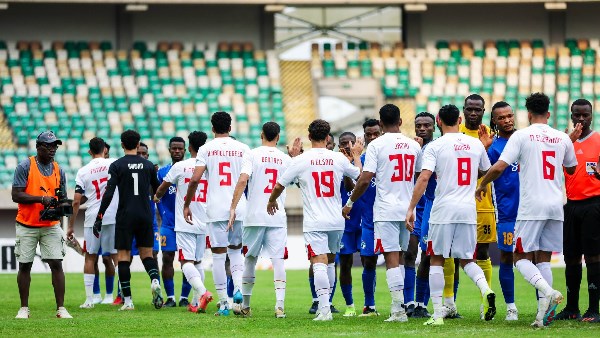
[
  {"x": 172, "y": 190},
  {"x": 363, "y": 245},
  {"x": 515, "y": 167}
]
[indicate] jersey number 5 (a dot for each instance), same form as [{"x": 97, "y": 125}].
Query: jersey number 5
[
  {"x": 404, "y": 168},
  {"x": 97, "y": 183},
  {"x": 225, "y": 175},
  {"x": 548, "y": 167},
  {"x": 323, "y": 179}
]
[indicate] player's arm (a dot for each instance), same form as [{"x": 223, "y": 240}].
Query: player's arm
[
  {"x": 76, "y": 204},
  {"x": 356, "y": 150},
  {"x": 111, "y": 185},
  {"x": 161, "y": 191},
  {"x": 18, "y": 193},
  {"x": 418, "y": 192},
  {"x": 189, "y": 196},
  {"x": 492, "y": 174},
  {"x": 359, "y": 188},
  {"x": 272, "y": 206},
  {"x": 237, "y": 195}
]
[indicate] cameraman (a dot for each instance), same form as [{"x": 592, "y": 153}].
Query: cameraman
[{"x": 33, "y": 189}]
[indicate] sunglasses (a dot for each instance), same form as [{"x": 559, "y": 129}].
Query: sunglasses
[{"x": 49, "y": 146}]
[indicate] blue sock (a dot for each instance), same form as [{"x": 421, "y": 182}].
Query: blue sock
[
  {"x": 110, "y": 284},
  {"x": 186, "y": 287},
  {"x": 347, "y": 292},
  {"x": 97, "y": 285},
  {"x": 427, "y": 294},
  {"x": 409, "y": 284},
  {"x": 311, "y": 282},
  {"x": 368, "y": 279},
  {"x": 230, "y": 287},
  {"x": 421, "y": 286},
  {"x": 169, "y": 287},
  {"x": 455, "y": 288},
  {"x": 333, "y": 291},
  {"x": 507, "y": 282}
]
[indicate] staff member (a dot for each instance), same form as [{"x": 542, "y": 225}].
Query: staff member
[{"x": 34, "y": 184}]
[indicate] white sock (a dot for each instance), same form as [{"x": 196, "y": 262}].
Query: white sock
[
  {"x": 331, "y": 276},
  {"x": 248, "y": 278},
  {"x": 476, "y": 274},
  {"x": 127, "y": 300},
  {"x": 396, "y": 286},
  {"x": 449, "y": 302},
  {"x": 532, "y": 275},
  {"x": 236, "y": 265},
  {"x": 193, "y": 277},
  {"x": 322, "y": 286},
  {"x": 546, "y": 272},
  {"x": 200, "y": 270},
  {"x": 511, "y": 306},
  {"x": 88, "y": 283},
  {"x": 220, "y": 276},
  {"x": 279, "y": 279},
  {"x": 436, "y": 289}
]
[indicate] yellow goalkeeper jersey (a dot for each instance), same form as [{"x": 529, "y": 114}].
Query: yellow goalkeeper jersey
[{"x": 486, "y": 204}]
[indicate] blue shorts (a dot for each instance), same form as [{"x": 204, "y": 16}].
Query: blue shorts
[
  {"x": 425, "y": 225},
  {"x": 134, "y": 248},
  {"x": 367, "y": 243},
  {"x": 168, "y": 240},
  {"x": 506, "y": 236},
  {"x": 351, "y": 242}
]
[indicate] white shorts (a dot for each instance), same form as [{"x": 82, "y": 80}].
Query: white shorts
[
  {"x": 268, "y": 242},
  {"x": 454, "y": 240},
  {"x": 391, "y": 236},
  {"x": 539, "y": 235},
  {"x": 323, "y": 242},
  {"x": 91, "y": 244},
  {"x": 190, "y": 246},
  {"x": 220, "y": 237}
]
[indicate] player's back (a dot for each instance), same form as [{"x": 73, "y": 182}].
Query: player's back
[
  {"x": 540, "y": 151},
  {"x": 394, "y": 158},
  {"x": 134, "y": 177},
  {"x": 264, "y": 165},
  {"x": 180, "y": 174},
  {"x": 455, "y": 159},
  {"x": 223, "y": 158},
  {"x": 92, "y": 179}
]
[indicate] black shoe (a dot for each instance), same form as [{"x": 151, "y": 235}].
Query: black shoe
[
  {"x": 314, "y": 308},
  {"x": 590, "y": 317},
  {"x": 184, "y": 302},
  {"x": 410, "y": 310},
  {"x": 170, "y": 303},
  {"x": 455, "y": 316},
  {"x": 421, "y": 312},
  {"x": 333, "y": 309},
  {"x": 567, "y": 314}
]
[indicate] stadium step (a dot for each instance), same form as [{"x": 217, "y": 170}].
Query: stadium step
[
  {"x": 407, "y": 112},
  {"x": 299, "y": 100}
]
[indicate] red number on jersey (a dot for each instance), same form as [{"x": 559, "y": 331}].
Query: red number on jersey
[
  {"x": 203, "y": 186},
  {"x": 97, "y": 183},
  {"x": 404, "y": 168},
  {"x": 226, "y": 176},
  {"x": 272, "y": 181},
  {"x": 464, "y": 171},
  {"x": 323, "y": 179},
  {"x": 548, "y": 167}
]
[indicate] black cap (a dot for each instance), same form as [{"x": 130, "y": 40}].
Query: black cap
[{"x": 48, "y": 137}]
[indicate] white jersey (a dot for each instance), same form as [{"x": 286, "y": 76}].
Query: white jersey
[
  {"x": 540, "y": 151},
  {"x": 319, "y": 173},
  {"x": 264, "y": 165},
  {"x": 455, "y": 158},
  {"x": 180, "y": 174},
  {"x": 223, "y": 159},
  {"x": 394, "y": 159},
  {"x": 92, "y": 180}
]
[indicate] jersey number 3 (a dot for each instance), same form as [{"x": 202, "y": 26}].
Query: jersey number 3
[{"x": 272, "y": 181}]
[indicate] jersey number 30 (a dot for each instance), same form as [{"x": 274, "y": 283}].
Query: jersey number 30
[{"x": 404, "y": 168}]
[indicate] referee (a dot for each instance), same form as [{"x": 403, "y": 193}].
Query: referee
[
  {"x": 33, "y": 189},
  {"x": 134, "y": 176},
  {"x": 582, "y": 213}
]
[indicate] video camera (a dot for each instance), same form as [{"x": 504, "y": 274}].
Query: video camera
[{"x": 58, "y": 207}]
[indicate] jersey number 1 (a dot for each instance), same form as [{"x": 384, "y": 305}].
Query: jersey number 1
[{"x": 323, "y": 179}]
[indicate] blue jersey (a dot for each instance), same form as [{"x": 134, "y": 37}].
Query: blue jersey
[
  {"x": 506, "y": 187},
  {"x": 166, "y": 206},
  {"x": 352, "y": 224},
  {"x": 368, "y": 200},
  {"x": 153, "y": 210}
]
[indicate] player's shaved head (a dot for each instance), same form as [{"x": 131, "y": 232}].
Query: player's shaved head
[
  {"x": 389, "y": 115},
  {"x": 271, "y": 130},
  {"x": 130, "y": 139},
  {"x": 221, "y": 122},
  {"x": 96, "y": 146},
  {"x": 449, "y": 115},
  {"x": 318, "y": 130},
  {"x": 537, "y": 104}
]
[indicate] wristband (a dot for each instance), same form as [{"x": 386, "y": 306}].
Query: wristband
[{"x": 349, "y": 203}]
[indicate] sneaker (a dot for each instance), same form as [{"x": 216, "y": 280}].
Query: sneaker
[
  {"x": 279, "y": 313},
  {"x": 410, "y": 309},
  {"x": 489, "y": 305},
  {"x": 420, "y": 312},
  {"x": 567, "y": 314},
  {"x": 512, "y": 314},
  {"x": 127, "y": 307},
  {"x": 246, "y": 312},
  {"x": 184, "y": 302},
  {"x": 314, "y": 308},
  {"x": 97, "y": 299},
  {"x": 63, "y": 313},
  {"x": 157, "y": 299},
  {"x": 170, "y": 303},
  {"x": 204, "y": 300},
  {"x": 223, "y": 311},
  {"x": 333, "y": 309},
  {"x": 237, "y": 309},
  {"x": 238, "y": 298},
  {"x": 449, "y": 312},
  {"x": 434, "y": 321},
  {"x": 555, "y": 298},
  {"x": 399, "y": 316},
  {"x": 118, "y": 301},
  {"x": 87, "y": 305},
  {"x": 350, "y": 311},
  {"x": 369, "y": 312},
  {"x": 108, "y": 299},
  {"x": 192, "y": 308},
  {"x": 591, "y": 317},
  {"x": 23, "y": 313},
  {"x": 323, "y": 317},
  {"x": 543, "y": 304},
  {"x": 537, "y": 324}
]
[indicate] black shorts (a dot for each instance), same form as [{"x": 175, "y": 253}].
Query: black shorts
[
  {"x": 130, "y": 227},
  {"x": 581, "y": 230}
]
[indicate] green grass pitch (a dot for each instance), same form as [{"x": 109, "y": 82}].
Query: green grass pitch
[{"x": 105, "y": 320}]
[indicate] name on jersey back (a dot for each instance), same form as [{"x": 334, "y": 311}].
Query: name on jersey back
[
  {"x": 544, "y": 139},
  {"x": 268, "y": 159},
  {"x": 226, "y": 153},
  {"x": 402, "y": 146},
  {"x": 460, "y": 147},
  {"x": 322, "y": 161},
  {"x": 98, "y": 169}
]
